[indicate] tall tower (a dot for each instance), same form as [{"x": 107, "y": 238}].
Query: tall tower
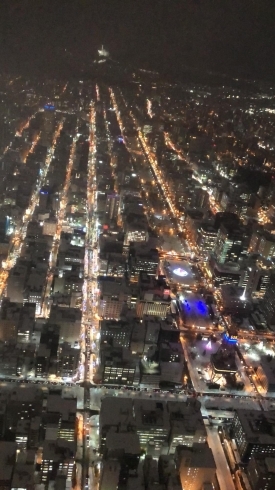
[{"x": 103, "y": 53}]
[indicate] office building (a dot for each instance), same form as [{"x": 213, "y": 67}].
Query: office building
[
  {"x": 232, "y": 243},
  {"x": 228, "y": 273},
  {"x": 255, "y": 278},
  {"x": 152, "y": 425},
  {"x": 136, "y": 231},
  {"x": 266, "y": 374},
  {"x": 268, "y": 305},
  {"x": 266, "y": 245},
  {"x": 16, "y": 281},
  {"x": 206, "y": 238},
  {"x": 123, "y": 447},
  {"x": 112, "y": 206},
  {"x": 116, "y": 415},
  {"x": 114, "y": 295},
  {"x": 261, "y": 472},
  {"x": 119, "y": 366},
  {"x": 196, "y": 466},
  {"x": 68, "y": 360},
  {"x": 49, "y": 226},
  {"x": 143, "y": 261},
  {"x": 116, "y": 333},
  {"x": 234, "y": 300},
  {"x": 187, "y": 425},
  {"x": 253, "y": 431},
  {"x": 154, "y": 296}
]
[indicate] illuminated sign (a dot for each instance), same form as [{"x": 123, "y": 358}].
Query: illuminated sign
[
  {"x": 49, "y": 107},
  {"x": 232, "y": 339},
  {"x": 180, "y": 272}
]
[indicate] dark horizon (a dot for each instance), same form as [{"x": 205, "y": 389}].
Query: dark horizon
[{"x": 62, "y": 38}]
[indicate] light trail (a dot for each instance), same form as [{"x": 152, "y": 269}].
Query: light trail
[
  {"x": 33, "y": 145},
  {"x": 20, "y": 234}
]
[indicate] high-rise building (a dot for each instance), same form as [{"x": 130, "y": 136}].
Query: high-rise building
[
  {"x": 232, "y": 243},
  {"x": 196, "y": 466},
  {"x": 206, "y": 239},
  {"x": 268, "y": 305},
  {"x": 152, "y": 422},
  {"x": 267, "y": 245},
  {"x": 112, "y": 205},
  {"x": 68, "y": 360},
  {"x": 253, "y": 432},
  {"x": 110, "y": 475},
  {"x": 119, "y": 366},
  {"x": 143, "y": 261},
  {"x": 256, "y": 278},
  {"x": 114, "y": 295},
  {"x": 261, "y": 472}
]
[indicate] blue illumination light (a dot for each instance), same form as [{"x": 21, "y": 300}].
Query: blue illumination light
[
  {"x": 202, "y": 309},
  {"x": 229, "y": 339},
  {"x": 49, "y": 107}
]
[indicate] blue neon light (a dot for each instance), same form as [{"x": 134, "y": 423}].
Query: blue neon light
[
  {"x": 229, "y": 339},
  {"x": 49, "y": 107}
]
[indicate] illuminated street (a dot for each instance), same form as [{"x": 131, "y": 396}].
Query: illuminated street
[
  {"x": 136, "y": 273},
  {"x": 20, "y": 234},
  {"x": 137, "y": 245},
  {"x": 59, "y": 225}
]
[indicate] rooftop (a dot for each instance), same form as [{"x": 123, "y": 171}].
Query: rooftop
[
  {"x": 198, "y": 456},
  {"x": 258, "y": 426}
]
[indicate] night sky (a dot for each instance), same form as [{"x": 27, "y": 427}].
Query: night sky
[{"x": 236, "y": 37}]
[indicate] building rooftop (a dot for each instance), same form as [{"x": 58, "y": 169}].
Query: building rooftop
[
  {"x": 113, "y": 286},
  {"x": 128, "y": 441},
  {"x": 258, "y": 426},
  {"x": 186, "y": 417},
  {"x": 7, "y": 459},
  {"x": 64, "y": 406},
  {"x": 23, "y": 476},
  {"x": 198, "y": 456},
  {"x": 150, "y": 414},
  {"x": 115, "y": 411},
  {"x": 268, "y": 365}
]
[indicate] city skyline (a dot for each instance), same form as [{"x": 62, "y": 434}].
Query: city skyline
[
  {"x": 235, "y": 38},
  {"x": 137, "y": 246}
]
